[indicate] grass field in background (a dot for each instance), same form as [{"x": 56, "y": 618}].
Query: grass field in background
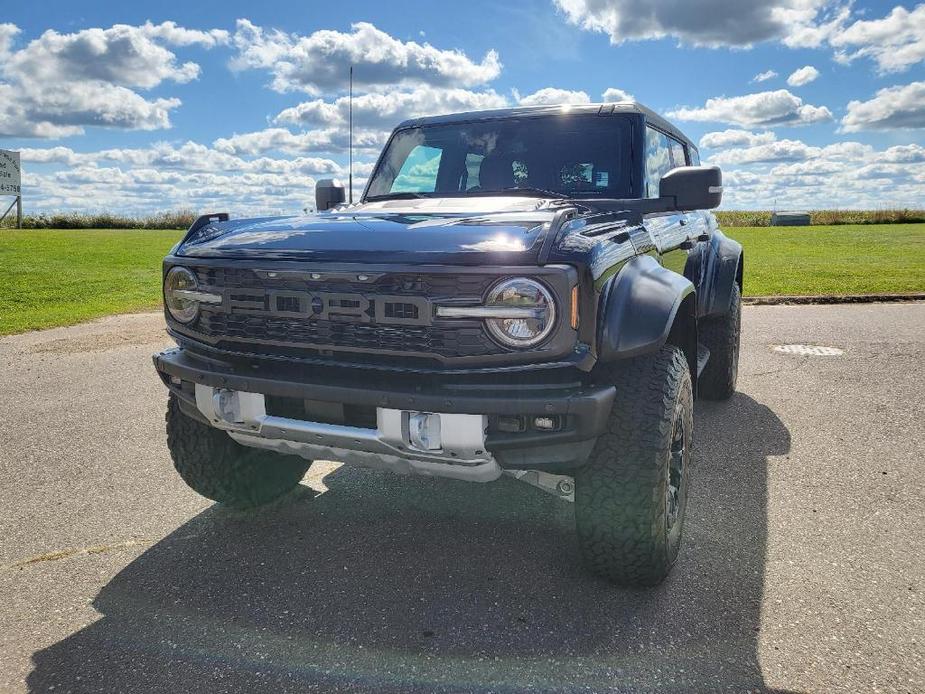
[
  {"x": 56, "y": 277},
  {"x": 868, "y": 259},
  {"x": 61, "y": 277}
]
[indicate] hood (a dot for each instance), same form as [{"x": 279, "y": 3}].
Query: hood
[{"x": 470, "y": 231}]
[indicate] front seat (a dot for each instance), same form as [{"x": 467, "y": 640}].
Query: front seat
[{"x": 496, "y": 173}]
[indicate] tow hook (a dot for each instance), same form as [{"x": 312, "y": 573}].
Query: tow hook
[{"x": 561, "y": 486}]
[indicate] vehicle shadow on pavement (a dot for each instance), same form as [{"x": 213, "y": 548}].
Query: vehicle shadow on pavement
[{"x": 384, "y": 583}]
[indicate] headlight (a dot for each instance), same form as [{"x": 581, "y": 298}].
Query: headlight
[
  {"x": 535, "y": 306},
  {"x": 179, "y": 286}
]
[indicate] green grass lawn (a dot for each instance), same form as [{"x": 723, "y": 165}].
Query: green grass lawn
[
  {"x": 849, "y": 259},
  {"x": 60, "y": 277}
]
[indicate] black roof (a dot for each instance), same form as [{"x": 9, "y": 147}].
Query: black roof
[{"x": 533, "y": 111}]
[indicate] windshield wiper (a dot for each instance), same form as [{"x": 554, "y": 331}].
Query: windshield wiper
[
  {"x": 531, "y": 190},
  {"x": 395, "y": 196}
]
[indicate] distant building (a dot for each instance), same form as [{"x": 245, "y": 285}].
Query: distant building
[{"x": 790, "y": 219}]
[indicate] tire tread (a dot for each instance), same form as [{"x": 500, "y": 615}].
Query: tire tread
[
  {"x": 219, "y": 468},
  {"x": 620, "y": 494}
]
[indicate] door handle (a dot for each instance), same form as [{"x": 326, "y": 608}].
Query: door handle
[{"x": 703, "y": 237}]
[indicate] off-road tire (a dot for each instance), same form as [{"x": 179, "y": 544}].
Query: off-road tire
[
  {"x": 621, "y": 495},
  {"x": 219, "y": 468},
  {"x": 721, "y": 334}
]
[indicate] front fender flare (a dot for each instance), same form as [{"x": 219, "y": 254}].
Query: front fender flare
[
  {"x": 638, "y": 308},
  {"x": 725, "y": 268}
]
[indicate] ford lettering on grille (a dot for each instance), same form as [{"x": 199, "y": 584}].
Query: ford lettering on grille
[{"x": 328, "y": 306}]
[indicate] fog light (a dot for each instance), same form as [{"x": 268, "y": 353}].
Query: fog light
[
  {"x": 547, "y": 423},
  {"x": 424, "y": 431},
  {"x": 227, "y": 406},
  {"x": 511, "y": 424}
]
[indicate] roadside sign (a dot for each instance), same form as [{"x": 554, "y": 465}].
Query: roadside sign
[
  {"x": 11, "y": 183},
  {"x": 10, "y": 173}
]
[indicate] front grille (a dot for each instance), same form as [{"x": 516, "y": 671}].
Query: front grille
[
  {"x": 433, "y": 285},
  {"x": 292, "y": 315},
  {"x": 443, "y": 341}
]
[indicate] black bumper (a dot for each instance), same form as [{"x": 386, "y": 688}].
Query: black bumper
[{"x": 585, "y": 408}]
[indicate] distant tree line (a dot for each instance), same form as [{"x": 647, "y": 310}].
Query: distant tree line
[{"x": 736, "y": 218}]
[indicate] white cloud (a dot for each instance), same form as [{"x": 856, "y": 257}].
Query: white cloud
[
  {"x": 735, "y": 138},
  {"x": 795, "y": 150},
  {"x": 188, "y": 157},
  {"x": 843, "y": 174},
  {"x": 550, "y": 96},
  {"x": 8, "y": 33},
  {"x": 803, "y": 76},
  {"x": 66, "y": 109},
  {"x": 321, "y": 60},
  {"x": 714, "y": 23},
  {"x": 123, "y": 55},
  {"x": 764, "y": 109},
  {"x": 283, "y": 140},
  {"x": 166, "y": 176},
  {"x": 764, "y": 76},
  {"x": 829, "y": 18},
  {"x": 782, "y": 150},
  {"x": 893, "y": 108},
  {"x": 387, "y": 109},
  {"x": 895, "y": 42},
  {"x": 614, "y": 94},
  {"x": 64, "y": 82},
  {"x": 145, "y": 190},
  {"x": 175, "y": 35},
  {"x": 49, "y": 155},
  {"x": 906, "y": 154}
]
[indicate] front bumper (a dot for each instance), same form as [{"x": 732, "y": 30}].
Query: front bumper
[{"x": 583, "y": 409}]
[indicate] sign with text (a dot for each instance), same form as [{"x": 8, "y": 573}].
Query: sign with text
[{"x": 10, "y": 173}]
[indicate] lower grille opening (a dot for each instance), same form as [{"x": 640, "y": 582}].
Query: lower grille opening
[{"x": 362, "y": 416}]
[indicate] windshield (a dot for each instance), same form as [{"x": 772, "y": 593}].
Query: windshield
[{"x": 557, "y": 155}]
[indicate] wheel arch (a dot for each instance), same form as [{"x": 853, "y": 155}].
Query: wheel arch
[
  {"x": 643, "y": 307},
  {"x": 725, "y": 269}
]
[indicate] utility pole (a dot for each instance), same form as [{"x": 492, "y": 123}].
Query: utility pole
[{"x": 350, "y": 144}]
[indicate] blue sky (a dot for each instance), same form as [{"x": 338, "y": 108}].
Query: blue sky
[{"x": 135, "y": 108}]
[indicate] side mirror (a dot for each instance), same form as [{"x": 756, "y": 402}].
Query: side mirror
[
  {"x": 329, "y": 192},
  {"x": 692, "y": 187}
]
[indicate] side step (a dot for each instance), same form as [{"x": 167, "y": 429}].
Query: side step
[{"x": 703, "y": 356}]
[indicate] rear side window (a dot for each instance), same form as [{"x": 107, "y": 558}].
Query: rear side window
[
  {"x": 473, "y": 164},
  {"x": 677, "y": 153},
  {"x": 658, "y": 160}
]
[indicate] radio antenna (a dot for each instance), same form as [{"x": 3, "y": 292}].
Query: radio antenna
[{"x": 350, "y": 144}]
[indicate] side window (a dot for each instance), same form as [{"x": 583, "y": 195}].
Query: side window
[
  {"x": 677, "y": 154},
  {"x": 658, "y": 160},
  {"x": 520, "y": 172},
  {"x": 695, "y": 156},
  {"x": 419, "y": 171},
  {"x": 577, "y": 176},
  {"x": 473, "y": 164}
]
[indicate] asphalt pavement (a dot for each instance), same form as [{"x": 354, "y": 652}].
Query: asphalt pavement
[{"x": 802, "y": 568}]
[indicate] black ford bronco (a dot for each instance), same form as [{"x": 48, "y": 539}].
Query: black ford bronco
[{"x": 532, "y": 291}]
